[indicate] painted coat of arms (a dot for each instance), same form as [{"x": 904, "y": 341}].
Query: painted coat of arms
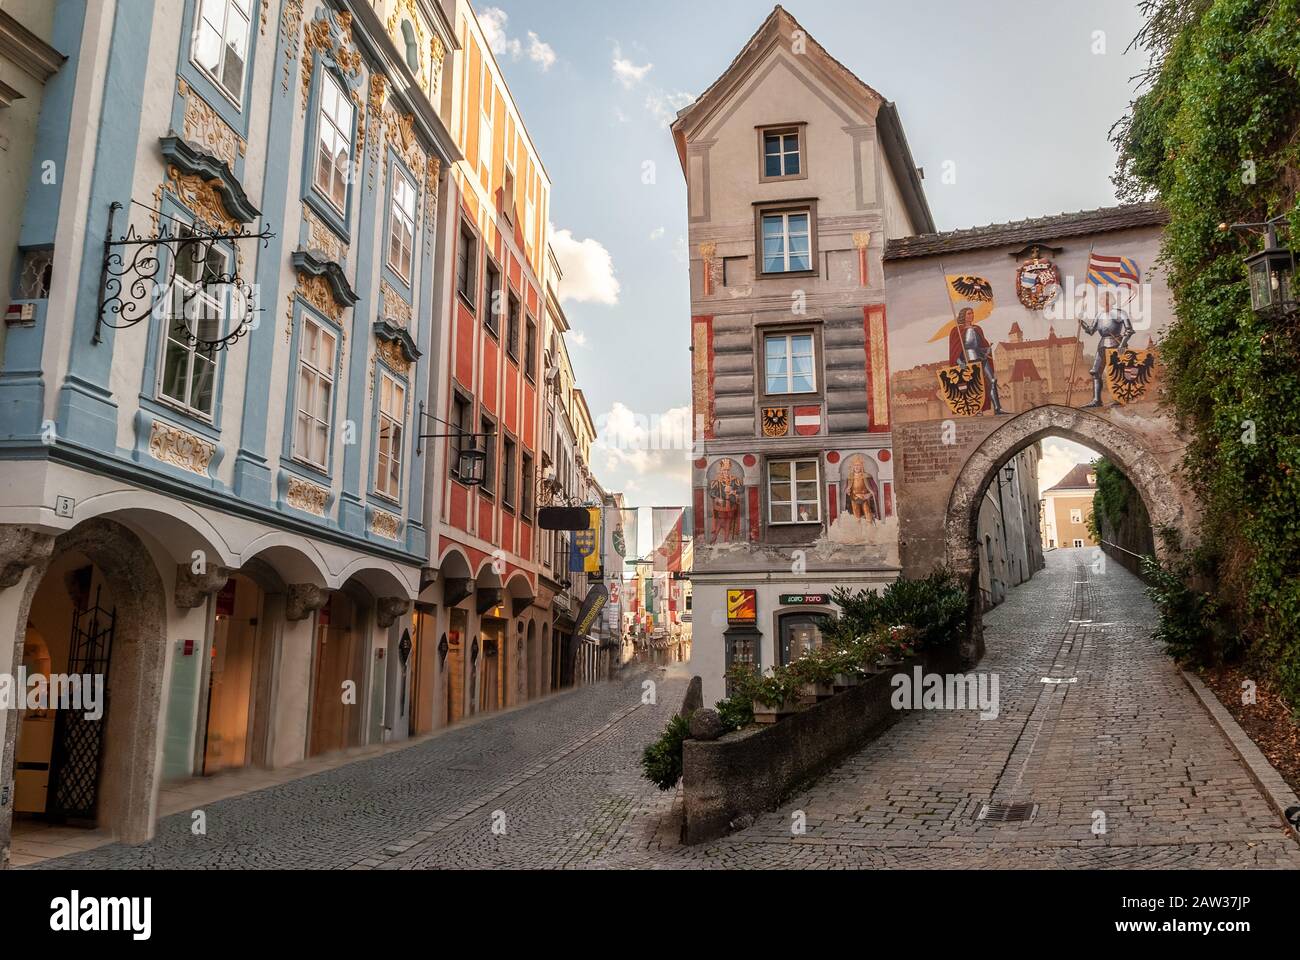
[
  {"x": 1038, "y": 283},
  {"x": 776, "y": 421},
  {"x": 1129, "y": 373}
]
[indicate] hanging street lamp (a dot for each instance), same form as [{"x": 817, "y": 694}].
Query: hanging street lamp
[{"x": 1271, "y": 272}]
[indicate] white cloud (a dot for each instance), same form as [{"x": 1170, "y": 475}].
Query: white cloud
[
  {"x": 628, "y": 73},
  {"x": 496, "y": 22},
  {"x": 588, "y": 269},
  {"x": 649, "y": 452},
  {"x": 664, "y": 106},
  {"x": 577, "y": 338},
  {"x": 657, "y": 233},
  {"x": 1059, "y": 458},
  {"x": 542, "y": 54}
]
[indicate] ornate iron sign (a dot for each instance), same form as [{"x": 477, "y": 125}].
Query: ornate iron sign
[{"x": 177, "y": 275}]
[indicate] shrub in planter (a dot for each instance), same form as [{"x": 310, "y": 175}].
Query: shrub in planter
[
  {"x": 661, "y": 763},
  {"x": 736, "y": 713},
  {"x": 935, "y": 608}
]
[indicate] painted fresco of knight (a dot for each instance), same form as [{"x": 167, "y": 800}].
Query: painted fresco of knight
[
  {"x": 966, "y": 345},
  {"x": 1115, "y": 328}
]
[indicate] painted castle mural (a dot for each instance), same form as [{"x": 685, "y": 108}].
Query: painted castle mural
[{"x": 998, "y": 329}]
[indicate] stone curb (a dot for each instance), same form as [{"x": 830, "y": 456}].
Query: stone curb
[{"x": 1276, "y": 791}]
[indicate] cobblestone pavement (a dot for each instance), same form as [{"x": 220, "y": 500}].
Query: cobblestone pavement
[{"x": 557, "y": 784}]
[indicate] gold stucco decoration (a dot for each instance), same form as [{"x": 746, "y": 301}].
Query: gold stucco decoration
[
  {"x": 168, "y": 444},
  {"x": 391, "y": 353},
  {"x": 307, "y": 497},
  {"x": 386, "y": 525},
  {"x": 205, "y": 128},
  {"x": 317, "y": 38}
]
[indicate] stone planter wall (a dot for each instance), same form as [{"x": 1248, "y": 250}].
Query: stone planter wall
[{"x": 754, "y": 771}]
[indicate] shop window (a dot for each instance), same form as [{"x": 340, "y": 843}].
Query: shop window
[{"x": 800, "y": 633}]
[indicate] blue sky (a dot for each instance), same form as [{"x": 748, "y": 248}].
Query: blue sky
[{"x": 1018, "y": 97}]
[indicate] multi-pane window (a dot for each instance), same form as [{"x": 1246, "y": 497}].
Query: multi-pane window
[
  {"x": 530, "y": 350},
  {"x": 527, "y": 479},
  {"x": 489, "y": 429},
  {"x": 790, "y": 367},
  {"x": 401, "y": 227},
  {"x": 462, "y": 427},
  {"x": 392, "y": 424},
  {"x": 492, "y": 291},
  {"x": 466, "y": 264},
  {"x": 221, "y": 32},
  {"x": 781, "y": 154},
  {"x": 508, "y": 194},
  {"x": 333, "y": 142},
  {"x": 316, "y": 364},
  {"x": 787, "y": 242},
  {"x": 512, "y": 327},
  {"x": 792, "y": 491},
  {"x": 508, "y": 472},
  {"x": 197, "y": 312}
]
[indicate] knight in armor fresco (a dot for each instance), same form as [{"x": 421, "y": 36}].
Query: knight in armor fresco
[
  {"x": 1115, "y": 328},
  {"x": 966, "y": 345}
]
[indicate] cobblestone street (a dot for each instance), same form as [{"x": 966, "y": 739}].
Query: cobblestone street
[{"x": 557, "y": 784}]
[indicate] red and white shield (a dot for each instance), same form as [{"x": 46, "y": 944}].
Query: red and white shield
[{"x": 807, "y": 421}]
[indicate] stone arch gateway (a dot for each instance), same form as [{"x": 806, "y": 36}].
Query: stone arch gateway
[{"x": 1153, "y": 475}]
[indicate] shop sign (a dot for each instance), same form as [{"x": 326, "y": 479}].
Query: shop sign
[
  {"x": 805, "y": 600},
  {"x": 742, "y": 607}
]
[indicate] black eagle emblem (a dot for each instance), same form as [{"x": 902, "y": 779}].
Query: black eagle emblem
[
  {"x": 963, "y": 389},
  {"x": 1129, "y": 373},
  {"x": 973, "y": 288}
]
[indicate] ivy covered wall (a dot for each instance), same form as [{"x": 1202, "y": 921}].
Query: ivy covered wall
[{"x": 1216, "y": 137}]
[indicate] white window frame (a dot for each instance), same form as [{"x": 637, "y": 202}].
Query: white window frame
[
  {"x": 327, "y": 121},
  {"x": 1076, "y": 516},
  {"x": 305, "y": 406},
  {"x": 180, "y": 289},
  {"x": 783, "y": 134},
  {"x": 402, "y": 217},
  {"x": 389, "y": 386},
  {"x": 794, "y": 503},
  {"x": 1078, "y": 544},
  {"x": 232, "y": 11},
  {"x": 790, "y": 375},
  {"x": 784, "y": 216}
]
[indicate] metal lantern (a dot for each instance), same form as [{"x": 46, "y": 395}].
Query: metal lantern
[
  {"x": 470, "y": 467},
  {"x": 1010, "y": 472},
  {"x": 1272, "y": 278}
]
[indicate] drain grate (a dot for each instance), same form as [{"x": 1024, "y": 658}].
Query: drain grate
[{"x": 1009, "y": 812}]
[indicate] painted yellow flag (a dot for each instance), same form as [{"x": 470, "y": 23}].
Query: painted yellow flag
[{"x": 974, "y": 292}]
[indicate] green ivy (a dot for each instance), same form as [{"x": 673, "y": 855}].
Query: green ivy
[{"x": 1216, "y": 137}]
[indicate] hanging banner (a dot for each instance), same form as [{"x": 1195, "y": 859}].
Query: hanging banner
[
  {"x": 668, "y": 524},
  {"x": 597, "y": 597},
  {"x": 585, "y": 555},
  {"x": 620, "y": 538}
]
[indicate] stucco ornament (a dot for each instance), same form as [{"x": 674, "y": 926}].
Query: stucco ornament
[
  {"x": 385, "y": 525},
  {"x": 169, "y": 444},
  {"x": 205, "y": 128},
  {"x": 329, "y": 36},
  {"x": 306, "y": 497}
]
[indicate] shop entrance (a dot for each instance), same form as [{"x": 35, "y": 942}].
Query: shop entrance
[
  {"x": 340, "y": 670},
  {"x": 492, "y": 694},
  {"x": 232, "y": 674},
  {"x": 455, "y": 669}
]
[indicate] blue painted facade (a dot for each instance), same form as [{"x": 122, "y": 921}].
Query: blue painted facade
[{"x": 100, "y": 402}]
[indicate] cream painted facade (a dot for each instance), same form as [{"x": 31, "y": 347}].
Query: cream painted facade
[
  {"x": 798, "y": 174},
  {"x": 1067, "y": 507}
]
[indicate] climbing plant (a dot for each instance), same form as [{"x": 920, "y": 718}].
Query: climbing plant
[{"x": 1215, "y": 135}]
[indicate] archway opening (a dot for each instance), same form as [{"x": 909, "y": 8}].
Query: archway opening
[{"x": 1035, "y": 485}]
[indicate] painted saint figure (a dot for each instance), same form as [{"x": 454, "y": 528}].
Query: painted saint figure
[
  {"x": 968, "y": 345},
  {"x": 1115, "y": 328},
  {"x": 859, "y": 492},
  {"x": 725, "y": 494}
]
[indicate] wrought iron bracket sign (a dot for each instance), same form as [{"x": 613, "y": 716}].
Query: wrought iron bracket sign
[{"x": 140, "y": 274}]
